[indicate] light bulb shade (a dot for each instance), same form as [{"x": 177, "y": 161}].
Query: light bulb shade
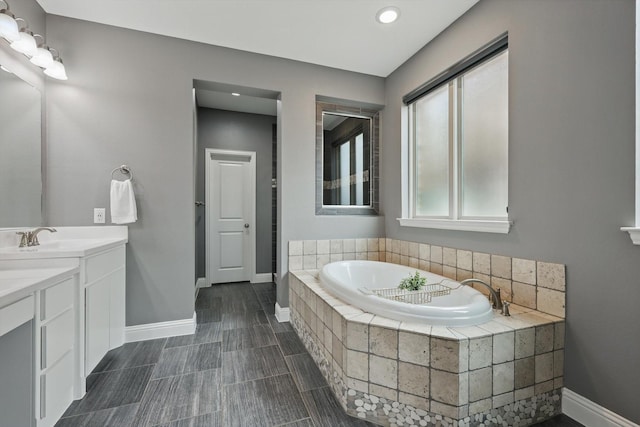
[
  {"x": 25, "y": 44},
  {"x": 9, "y": 27},
  {"x": 43, "y": 58},
  {"x": 56, "y": 70}
]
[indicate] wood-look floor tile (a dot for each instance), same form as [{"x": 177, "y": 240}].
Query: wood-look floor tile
[
  {"x": 243, "y": 320},
  {"x": 132, "y": 354},
  {"x": 243, "y": 304},
  {"x": 111, "y": 389},
  {"x": 206, "y": 420},
  {"x": 252, "y": 363},
  {"x": 327, "y": 412},
  {"x": 205, "y": 333},
  {"x": 121, "y": 416},
  {"x": 208, "y": 315},
  {"x": 307, "y": 422},
  {"x": 179, "y": 397},
  {"x": 305, "y": 372},
  {"x": 255, "y": 336},
  {"x": 279, "y": 326},
  {"x": 208, "y": 301},
  {"x": 263, "y": 287},
  {"x": 290, "y": 343},
  {"x": 266, "y": 402},
  {"x": 560, "y": 421},
  {"x": 187, "y": 359}
]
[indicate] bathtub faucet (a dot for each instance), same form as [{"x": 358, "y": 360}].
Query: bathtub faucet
[{"x": 495, "y": 295}]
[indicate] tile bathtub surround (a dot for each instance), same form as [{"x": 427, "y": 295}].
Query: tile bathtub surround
[
  {"x": 387, "y": 372},
  {"x": 533, "y": 284}
]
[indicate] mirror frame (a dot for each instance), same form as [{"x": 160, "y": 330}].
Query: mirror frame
[{"x": 349, "y": 111}]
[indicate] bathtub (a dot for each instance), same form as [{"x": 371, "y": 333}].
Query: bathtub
[{"x": 349, "y": 281}]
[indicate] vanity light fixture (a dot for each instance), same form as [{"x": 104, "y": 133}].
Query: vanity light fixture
[
  {"x": 387, "y": 15},
  {"x": 56, "y": 70},
  {"x": 8, "y": 25},
  {"x": 26, "y": 43},
  {"x": 43, "y": 57}
]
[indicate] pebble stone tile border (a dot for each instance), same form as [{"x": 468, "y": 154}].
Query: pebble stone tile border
[{"x": 308, "y": 314}]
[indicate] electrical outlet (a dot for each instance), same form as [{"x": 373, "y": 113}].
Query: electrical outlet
[{"x": 99, "y": 215}]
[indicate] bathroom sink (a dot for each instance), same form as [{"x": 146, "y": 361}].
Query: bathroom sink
[
  {"x": 61, "y": 248},
  {"x": 62, "y": 245}
]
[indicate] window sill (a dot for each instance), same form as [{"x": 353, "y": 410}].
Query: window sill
[
  {"x": 634, "y": 233},
  {"x": 500, "y": 227}
]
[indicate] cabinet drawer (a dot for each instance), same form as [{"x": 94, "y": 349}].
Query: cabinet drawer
[
  {"x": 56, "y": 299},
  {"x": 14, "y": 315},
  {"x": 100, "y": 265},
  {"x": 57, "y": 338},
  {"x": 56, "y": 389}
]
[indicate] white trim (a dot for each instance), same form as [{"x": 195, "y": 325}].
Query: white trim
[
  {"x": 150, "y": 331},
  {"x": 634, "y": 232},
  {"x": 590, "y": 414},
  {"x": 262, "y": 278},
  {"x": 282, "y": 314},
  {"x": 501, "y": 227},
  {"x": 276, "y": 279},
  {"x": 202, "y": 282}
]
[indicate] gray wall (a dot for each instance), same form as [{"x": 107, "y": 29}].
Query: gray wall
[
  {"x": 571, "y": 170},
  {"x": 129, "y": 100},
  {"x": 231, "y": 130}
]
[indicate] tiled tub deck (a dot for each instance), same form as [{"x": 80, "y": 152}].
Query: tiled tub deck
[{"x": 508, "y": 371}]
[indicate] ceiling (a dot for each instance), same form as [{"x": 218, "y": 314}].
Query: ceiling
[{"x": 341, "y": 34}]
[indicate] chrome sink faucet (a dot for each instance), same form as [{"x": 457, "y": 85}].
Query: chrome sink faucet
[
  {"x": 30, "y": 238},
  {"x": 495, "y": 295}
]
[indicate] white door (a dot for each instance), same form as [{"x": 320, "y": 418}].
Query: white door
[{"x": 230, "y": 203}]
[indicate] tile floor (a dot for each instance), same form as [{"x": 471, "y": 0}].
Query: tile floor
[{"x": 240, "y": 368}]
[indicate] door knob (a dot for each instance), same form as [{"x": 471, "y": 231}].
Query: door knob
[{"x": 246, "y": 226}]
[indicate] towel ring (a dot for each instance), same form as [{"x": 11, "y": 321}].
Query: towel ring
[{"x": 124, "y": 169}]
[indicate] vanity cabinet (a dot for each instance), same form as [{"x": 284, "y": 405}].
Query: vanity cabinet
[
  {"x": 104, "y": 277},
  {"x": 56, "y": 337}
]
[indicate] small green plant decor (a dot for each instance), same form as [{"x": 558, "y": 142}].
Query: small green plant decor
[{"x": 413, "y": 283}]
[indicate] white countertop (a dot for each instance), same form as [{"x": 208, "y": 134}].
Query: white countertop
[
  {"x": 63, "y": 248},
  {"x": 16, "y": 284}
]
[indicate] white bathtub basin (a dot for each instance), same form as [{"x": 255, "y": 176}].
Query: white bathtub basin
[{"x": 464, "y": 306}]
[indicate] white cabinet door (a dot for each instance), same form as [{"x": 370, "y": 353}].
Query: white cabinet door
[
  {"x": 56, "y": 391},
  {"x": 117, "y": 308},
  {"x": 97, "y": 323}
]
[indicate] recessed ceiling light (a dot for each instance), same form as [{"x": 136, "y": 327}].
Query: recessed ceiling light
[
  {"x": 388, "y": 15},
  {"x": 235, "y": 94}
]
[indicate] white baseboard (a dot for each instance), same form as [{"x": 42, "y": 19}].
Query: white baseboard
[
  {"x": 262, "y": 278},
  {"x": 202, "y": 282},
  {"x": 282, "y": 314},
  {"x": 589, "y": 413},
  {"x": 150, "y": 331}
]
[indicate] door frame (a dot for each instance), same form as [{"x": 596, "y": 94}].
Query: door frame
[{"x": 209, "y": 153}]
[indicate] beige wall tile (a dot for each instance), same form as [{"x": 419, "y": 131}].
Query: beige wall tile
[
  {"x": 480, "y": 406},
  {"x": 450, "y": 355},
  {"x": 337, "y": 351},
  {"x": 425, "y": 265},
  {"x": 404, "y": 248},
  {"x": 372, "y": 245},
  {"x": 446, "y": 387},
  {"x": 361, "y": 245},
  {"x": 551, "y": 275},
  {"x": 464, "y": 259},
  {"x": 524, "y": 271},
  {"x": 357, "y": 365},
  {"x": 413, "y": 379},
  {"x": 349, "y": 245},
  {"x": 524, "y": 393},
  {"x": 309, "y": 247},
  {"x": 503, "y": 347},
  {"x": 357, "y": 385},
  {"x": 524, "y": 294},
  {"x": 414, "y": 250},
  {"x": 395, "y": 246},
  {"x": 373, "y": 256},
  {"x": 463, "y": 274},
  {"x": 524, "y": 372},
  {"x": 436, "y": 268},
  {"x": 501, "y": 266},
  {"x": 385, "y": 392},
  {"x": 348, "y": 256},
  {"x": 336, "y": 257},
  {"x": 480, "y": 352},
  {"x": 295, "y": 263},
  {"x": 413, "y": 348},
  {"x": 558, "y": 383},
  {"x": 480, "y": 384},
  {"x": 544, "y": 338},
  {"x": 558, "y": 363},
  {"x": 525, "y": 343},
  {"x": 382, "y": 256},
  {"x": 503, "y": 378},
  {"x": 322, "y": 260},
  {"x": 404, "y": 260},
  {"x": 503, "y": 399},
  {"x": 414, "y": 262},
  {"x": 481, "y": 263},
  {"x": 558, "y": 336},
  {"x": 383, "y": 342},
  {"x": 449, "y": 271},
  {"x": 544, "y": 387},
  {"x": 544, "y": 367},
  {"x": 337, "y": 246},
  {"x": 425, "y": 252},
  {"x": 382, "y": 244},
  {"x": 357, "y": 336},
  {"x": 361, "y": 256},
  {"x": 436, "y": 254},
  {"x": 383, "y": 371},
  {"x": 449, "y": 257},
  {"x": 506, "y": 292},
  {"x": 551, "y": 302},
  {"x": 309, "y": 262},
  {"x": 415, "y": 401},
  {"x": 295, "y": 247},
  {"x": 455, "y": 412},
  {"x": 323, "y": 247}
]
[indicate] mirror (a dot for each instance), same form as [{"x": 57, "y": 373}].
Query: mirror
[
  {"x": 346, "y": 159},
  {"x": 20, "y": 152}
]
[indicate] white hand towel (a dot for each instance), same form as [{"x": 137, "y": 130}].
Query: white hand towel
[{"x": 123, "y": 202}]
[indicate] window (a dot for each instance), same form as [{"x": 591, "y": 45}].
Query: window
[{"x": 458, "y": 146}]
